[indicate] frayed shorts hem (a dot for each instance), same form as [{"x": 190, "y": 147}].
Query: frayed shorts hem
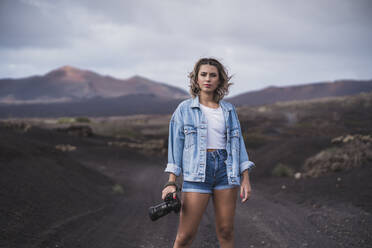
[
  {"x": 209, "y": 191},
  {"x": 225, "y": 187},
  {"x": 203, "y": 191}
]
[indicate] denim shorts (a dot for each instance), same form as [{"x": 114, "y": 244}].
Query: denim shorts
[{"x": 215, "y": 175}]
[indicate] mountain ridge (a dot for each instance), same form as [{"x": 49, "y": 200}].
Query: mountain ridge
[
  {"x": 71, "y": 84},
  {"x": 69, "y": 91},
  {"x": 273, "y": 94}
]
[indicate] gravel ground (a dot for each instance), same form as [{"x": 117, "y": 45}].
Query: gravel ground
[{"x": 51, "y": 199}]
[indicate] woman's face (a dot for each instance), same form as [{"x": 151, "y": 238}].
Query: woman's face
[{"x": 208, "y": 79}]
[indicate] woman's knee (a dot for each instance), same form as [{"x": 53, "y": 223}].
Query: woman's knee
[
  {"x": 225, "y": 232},
  {"x": 184, "y": 239}
]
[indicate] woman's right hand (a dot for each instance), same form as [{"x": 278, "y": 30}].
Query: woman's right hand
[{"x": 167, "y": 190}]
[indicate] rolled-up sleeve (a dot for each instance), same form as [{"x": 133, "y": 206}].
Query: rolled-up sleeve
[
  {"x": 244, "y": 162},
  {"x": 175, "y": 144}
]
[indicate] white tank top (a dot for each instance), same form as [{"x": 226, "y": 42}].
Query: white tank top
[{"x": 216, "y": 136}]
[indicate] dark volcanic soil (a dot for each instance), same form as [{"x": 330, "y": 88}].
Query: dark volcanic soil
[{"x": 51, "y": 198}]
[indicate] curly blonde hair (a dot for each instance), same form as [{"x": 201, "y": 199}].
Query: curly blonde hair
[{"x": 222, "y": 89}]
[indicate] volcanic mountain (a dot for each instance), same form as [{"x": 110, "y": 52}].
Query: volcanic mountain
[
  {"x": 69, "y": 84},
  {"x": 69, "y": 91}
]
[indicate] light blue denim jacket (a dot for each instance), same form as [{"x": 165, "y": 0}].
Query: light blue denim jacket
[{"x": 187, "y": 143}]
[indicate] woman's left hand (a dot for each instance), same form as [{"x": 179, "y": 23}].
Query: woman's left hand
[{"x": 245, "y": 187}]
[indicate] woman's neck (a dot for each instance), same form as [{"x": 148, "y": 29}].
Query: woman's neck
[{"x": 207, "y": 100}]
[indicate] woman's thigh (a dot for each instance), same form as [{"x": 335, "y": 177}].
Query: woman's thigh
[
  {"x": 224, "y": 202},
  {"x": 193, "y": 207}
]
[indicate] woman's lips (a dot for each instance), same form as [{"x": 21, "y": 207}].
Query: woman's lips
[{"x": 207, "y": 85}]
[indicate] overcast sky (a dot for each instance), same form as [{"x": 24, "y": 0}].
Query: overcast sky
[{"x": 261, "y": 42}]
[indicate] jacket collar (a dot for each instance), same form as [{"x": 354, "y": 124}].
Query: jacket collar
[
  {"x": 224, "y": 105},
  {"x": 195, "y": 102}
]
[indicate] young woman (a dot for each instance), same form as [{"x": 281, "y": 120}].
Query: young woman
[{"x": 206, "y": 146}]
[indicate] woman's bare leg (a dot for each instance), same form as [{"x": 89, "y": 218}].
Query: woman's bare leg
[
  {"x": 224, "y": 202},
  {"x": 193, "y": 207}
]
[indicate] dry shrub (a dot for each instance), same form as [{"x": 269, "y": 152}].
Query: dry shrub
[
  {"x": 282, "y": 170},
  {"x": 347, "y": 152}
]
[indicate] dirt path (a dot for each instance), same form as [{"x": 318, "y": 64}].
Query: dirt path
[{"x": 265, "y": 221}]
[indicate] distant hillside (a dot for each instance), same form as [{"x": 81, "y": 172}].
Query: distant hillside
[
  {"x": 69, "y": 84},
  {"x": 302, "y": 92},
  {"x": 124, "y": 105}
]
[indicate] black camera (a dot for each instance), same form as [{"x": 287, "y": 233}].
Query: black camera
[{"x": 169, "y": 204}]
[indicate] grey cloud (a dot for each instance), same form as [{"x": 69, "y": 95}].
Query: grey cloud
[
  {"x": 263, "y": 42},
  {"x": 24, "y": 24}
]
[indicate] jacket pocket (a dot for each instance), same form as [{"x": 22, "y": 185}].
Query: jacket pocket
[
  {"x": 190, "y": 137},
  {"x": 235, "y": 139}
]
